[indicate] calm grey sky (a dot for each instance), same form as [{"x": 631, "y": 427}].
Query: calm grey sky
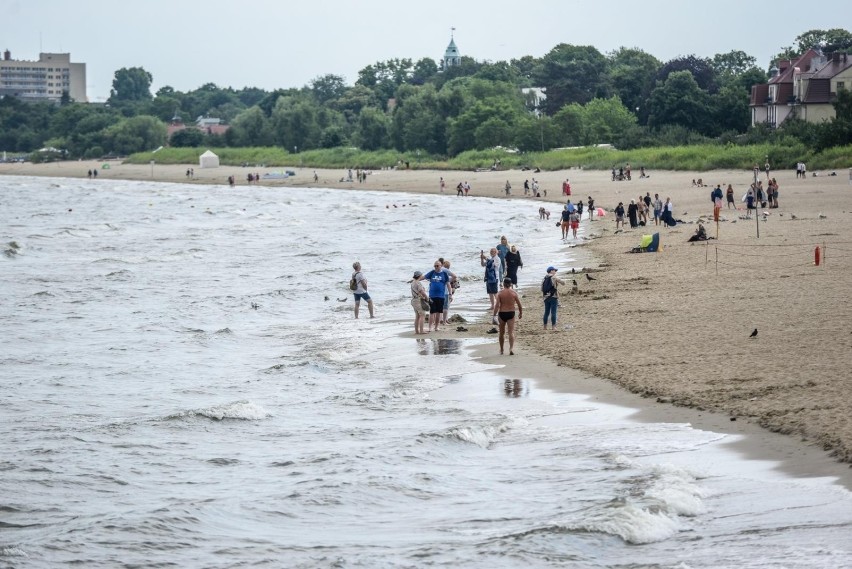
[{"x": 283, "y": 43}]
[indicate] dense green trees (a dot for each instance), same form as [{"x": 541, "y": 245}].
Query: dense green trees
[
  {"x": 631, "y": 75},
  {"x": 132, "y": 84},
  {"x": 572, "y": 74},
  {"x": 627, "y": 98}
]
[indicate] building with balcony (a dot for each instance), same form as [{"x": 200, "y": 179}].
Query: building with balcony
[
  {"x": 802, "y": 88},
  {"x": 43, "y": 80}
]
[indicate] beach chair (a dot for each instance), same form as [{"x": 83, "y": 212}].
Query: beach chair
[
  {"x": 649, "y": 244},
  {"x": 654, "y": 245}
]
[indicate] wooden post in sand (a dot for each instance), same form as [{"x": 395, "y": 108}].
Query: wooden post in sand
[
  {"x": 717, "y": 210},
  {"x": 754, "y": 200},
  {"x": 706, "y": 251}
]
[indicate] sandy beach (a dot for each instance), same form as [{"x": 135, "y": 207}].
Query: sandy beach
[{"x": 674, "y": 326}]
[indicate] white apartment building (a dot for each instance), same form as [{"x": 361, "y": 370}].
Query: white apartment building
[{"x": 43, "y": 80}]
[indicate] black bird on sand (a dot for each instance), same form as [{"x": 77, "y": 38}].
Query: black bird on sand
[
  {"x": 590, "y": 277},
  {"x": 754, "y": 334},
  {"x": 574, "y": 282}
]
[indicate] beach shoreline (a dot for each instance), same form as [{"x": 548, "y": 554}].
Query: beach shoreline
[{"x": 673, "y": 328}]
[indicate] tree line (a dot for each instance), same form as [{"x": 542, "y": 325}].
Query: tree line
[{"x": 627, "y": 98}]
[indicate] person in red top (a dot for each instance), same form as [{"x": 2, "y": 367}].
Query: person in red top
[{"x": 566, "y": 187}]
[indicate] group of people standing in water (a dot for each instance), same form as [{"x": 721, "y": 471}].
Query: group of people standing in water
[{"x": 431, "y": 302}]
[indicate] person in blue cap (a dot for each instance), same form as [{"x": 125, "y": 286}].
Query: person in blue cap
[{"x": 550, "y": 292}]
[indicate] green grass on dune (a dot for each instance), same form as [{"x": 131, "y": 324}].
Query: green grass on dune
[{"x": 692, "y": 158}]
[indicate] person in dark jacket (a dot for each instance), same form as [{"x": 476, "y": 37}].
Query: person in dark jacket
[
  {"x": 513, "y": 263},
  {"x": 633, "y": 214}
]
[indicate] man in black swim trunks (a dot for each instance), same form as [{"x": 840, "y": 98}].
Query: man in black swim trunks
[{"x": 506, "y": 300}]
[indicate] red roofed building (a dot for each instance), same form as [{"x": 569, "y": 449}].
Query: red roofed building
[
  {"x": 803, "y": 88},
  {"x": 206, "y": 125}
]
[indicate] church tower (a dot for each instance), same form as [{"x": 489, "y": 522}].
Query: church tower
[{"x": 451, "y": 55}]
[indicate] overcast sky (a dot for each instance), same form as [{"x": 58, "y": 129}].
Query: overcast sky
[{"x": 285, "y": 43}]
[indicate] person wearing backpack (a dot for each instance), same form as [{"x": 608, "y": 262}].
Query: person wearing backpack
[
  {"x": 492, "y": 268},
  {"x": 550, "y": 292},
  {"x": 360, "y": 290}
]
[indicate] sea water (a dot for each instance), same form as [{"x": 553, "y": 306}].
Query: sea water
[{"x": 184, "y": 385}]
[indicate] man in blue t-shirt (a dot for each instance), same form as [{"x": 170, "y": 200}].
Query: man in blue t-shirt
[{"x": 438, "y": 279}]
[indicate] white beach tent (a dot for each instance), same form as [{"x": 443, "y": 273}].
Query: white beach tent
[{"x": 208, "y": 160}]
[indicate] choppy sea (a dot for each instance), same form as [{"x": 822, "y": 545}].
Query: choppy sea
[{"x": 150, "y": 416}]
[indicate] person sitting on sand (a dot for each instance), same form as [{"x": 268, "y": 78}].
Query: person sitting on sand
[
  {"x": 700, "y": 234},
  {"x": 504, "y": 312}
]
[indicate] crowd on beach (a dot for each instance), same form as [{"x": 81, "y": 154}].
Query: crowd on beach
[
  {"x": 432, "y": 303},
  {"x": 640, "y": 209},
  {"x": 622, "y": 173},
  {"x": 432, "y": 293}
]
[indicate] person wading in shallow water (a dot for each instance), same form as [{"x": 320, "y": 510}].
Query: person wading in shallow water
[
  {"x": 361, "y": 289},
  {"x": 504, "y": 311}
]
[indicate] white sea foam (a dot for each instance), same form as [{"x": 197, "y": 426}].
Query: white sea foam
[
  {"x": 237, "y": 410},
  {"x": 677, "y": 489},
  {"x": 482, "y": 435},
  {"x": 631, "y": 522},
  {"x": 12, "y": 552}
]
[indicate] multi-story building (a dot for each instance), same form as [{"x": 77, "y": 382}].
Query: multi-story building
[
  {"x": 802, "y": 88},
  {"x": 43, "y": 80}
]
